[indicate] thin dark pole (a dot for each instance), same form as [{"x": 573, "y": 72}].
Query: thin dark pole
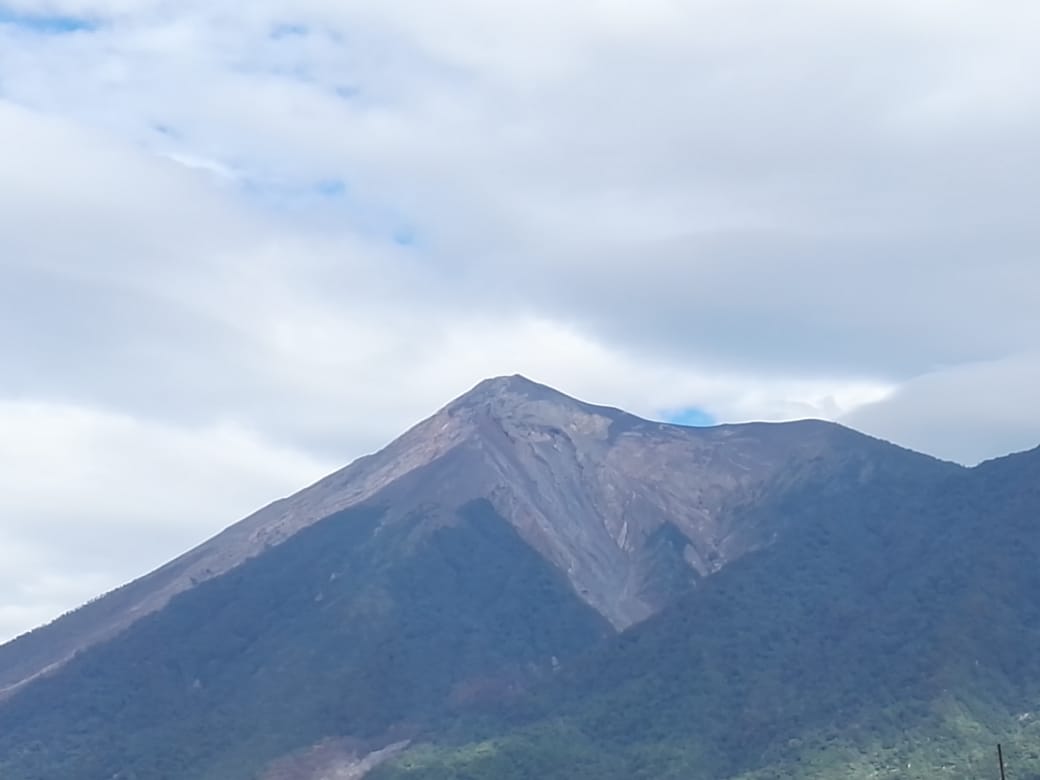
[{"x": 1000, "y": 758}]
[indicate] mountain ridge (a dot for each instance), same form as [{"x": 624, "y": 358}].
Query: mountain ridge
[
  {"x": 890, "y": 635},
  {"x": 506, "y": 429},
  {"x": 514, "y": 540}
]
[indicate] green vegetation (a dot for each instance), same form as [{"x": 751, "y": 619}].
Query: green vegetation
[
  {"x": 891, "y": 634},
  {"x": 333, "y": 632}
]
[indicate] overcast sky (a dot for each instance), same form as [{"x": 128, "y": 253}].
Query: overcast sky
[{"x": 242, "y": 243}]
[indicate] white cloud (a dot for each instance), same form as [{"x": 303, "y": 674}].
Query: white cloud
[
  {"x": 92, "y": 499},
  {"x": 965, "y": 413},
  {"x": 826, "y": 212}
]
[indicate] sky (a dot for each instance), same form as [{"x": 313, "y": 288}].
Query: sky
[{"x": 242, "y": 244}]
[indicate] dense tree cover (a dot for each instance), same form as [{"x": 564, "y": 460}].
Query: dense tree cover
[
  {"x": 350, "y": 627},
  {"x": 892, "y": 633}
]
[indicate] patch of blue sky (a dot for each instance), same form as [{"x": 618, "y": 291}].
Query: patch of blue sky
[
  {"x": 165, "y": 130},
  {"x": 46, "y": 24},
  {"x": 405, "y": 235},
  {"x": 347, "y": 92},
  {"x": 691, "y": 417},
  {"x": 332, "y": 198},
  {"x": 331, "y": 188},
  {"x": 288, "y": 30}
]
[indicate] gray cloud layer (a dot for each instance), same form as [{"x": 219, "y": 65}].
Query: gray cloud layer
[{"x": 242, "y": 245}]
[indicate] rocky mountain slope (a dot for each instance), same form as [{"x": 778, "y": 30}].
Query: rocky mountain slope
[
  {"x": 629, "y": 510},
  {"x": 462, "y": 565},
  {"x": 891, "y": 633}
]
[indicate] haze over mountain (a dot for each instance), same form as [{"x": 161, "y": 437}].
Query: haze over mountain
[{"x": 426, "y": 598}]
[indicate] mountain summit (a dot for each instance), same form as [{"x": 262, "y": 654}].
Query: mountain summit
[
  {"x": 632, "y": 512},
  {"x": 463, "y": 563}
]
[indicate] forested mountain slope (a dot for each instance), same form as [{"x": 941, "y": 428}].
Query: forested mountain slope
[
  {"x": 471, "y": 580},
  {"x": 893, "y": 632}
]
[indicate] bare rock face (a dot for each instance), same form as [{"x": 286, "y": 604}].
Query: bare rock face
[
  {"x": 631, "y": 511},
  {"x": 599, "y": 492}
]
